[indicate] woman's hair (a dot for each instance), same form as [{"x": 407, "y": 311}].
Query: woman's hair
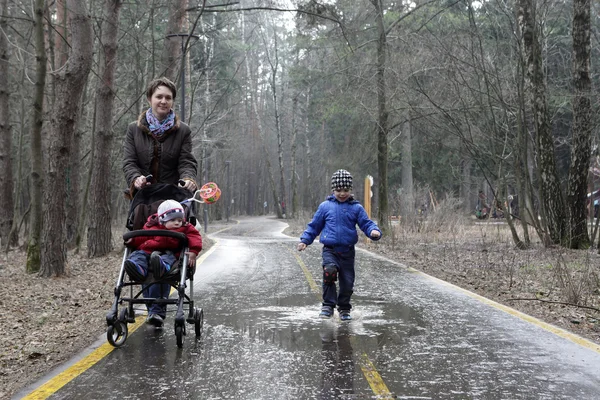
[{"x": 161, "y": 82}]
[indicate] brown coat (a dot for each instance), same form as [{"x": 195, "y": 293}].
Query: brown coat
[{"x": 168, "y": 158}]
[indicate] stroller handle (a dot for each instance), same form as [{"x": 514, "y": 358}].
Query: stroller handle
[{"x": 183, "y": 240}]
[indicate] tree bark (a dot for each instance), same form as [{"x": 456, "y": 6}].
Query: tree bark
[
  {"x": 6, "y": 162},
  {"x": 274, "y": 64},
  {"x": 172, "y": 48},
  {"x": 99, "y": 235},
  {"x": 551, "y": 197},
  {"x": 69, "y": 87},
  {"x": 310, "y": 197},
  {"x": 35, "y": 216},
  {"x": 582, "y": 126},
  {"x": 408, "y": 198},
  {"x": 293, "y": 162},
  {"x": 382, "y": 121}
]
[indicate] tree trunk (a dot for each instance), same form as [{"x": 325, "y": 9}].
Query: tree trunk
[
  {"x": 69, "y": 87},
  {"x": 382, "y": 121},
  {"x": 552, "y": 205},
  {"x": 273, "y": 81},
  {"x": 408, "y": 198},
  {"x": 172, "y": 49},
  {"x": 99, "y": 236},
  {"x": 310, "y": 199},
  {"x": 74, "y": 180},
  {"x": 254, "y": 105},
  {"x": 521, "y": 167},
  {"x": 35, "y": 216},
  {"x": 465, "y": 194},
  {"x": 293, "y": 162},
  {"x": 582, "y": 126},
  {"x": 6, "y": 178}
]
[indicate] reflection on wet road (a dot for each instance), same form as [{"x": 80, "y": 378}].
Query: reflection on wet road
[{"x": 263, "y": 340}]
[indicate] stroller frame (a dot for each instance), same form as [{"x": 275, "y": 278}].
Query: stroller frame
[{"x": 117, "y": 331}]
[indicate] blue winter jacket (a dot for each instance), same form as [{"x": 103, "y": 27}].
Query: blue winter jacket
[{"x": 336, "y": 222}]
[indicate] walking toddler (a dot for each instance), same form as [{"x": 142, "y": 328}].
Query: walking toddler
[{"x": 336, "y": 220}]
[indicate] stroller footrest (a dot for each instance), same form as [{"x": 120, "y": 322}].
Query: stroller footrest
[{"x": 149, "y": 300}]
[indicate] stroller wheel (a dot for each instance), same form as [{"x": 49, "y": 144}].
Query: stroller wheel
[
  {"x": 124, "y": 315},
  {"x": 179, "y": 332},
  {"x": 117, "y": 334},
  {"x": 198, "y": 321}
]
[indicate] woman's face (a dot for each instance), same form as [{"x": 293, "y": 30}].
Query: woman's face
[{"x": 161, "y": 102}]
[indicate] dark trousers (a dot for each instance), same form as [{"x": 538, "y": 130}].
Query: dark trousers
[
  {"x": 155, "y": 290},
  {"x": 344, "y": 262}
]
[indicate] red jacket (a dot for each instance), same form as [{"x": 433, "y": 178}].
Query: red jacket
[{"x": 152, "y": 243}]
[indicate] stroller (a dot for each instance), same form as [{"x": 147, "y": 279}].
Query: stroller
[{"x": 144, "y": 204}]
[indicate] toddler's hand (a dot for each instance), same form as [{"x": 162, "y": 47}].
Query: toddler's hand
[
  {"x": 301, "y": 246},
  {"x": 375, "y": 234},
  {"x": 129, "y": 241},
  {"x": 191, "y": 258}
]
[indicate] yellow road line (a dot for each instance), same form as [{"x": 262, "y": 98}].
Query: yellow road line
[
  {"x": 309, "y": 277},
  {"x": 544, "y": 325},
  {"x": 377, "y": 384},
  {"x": 220, "y": 230},
  {"x": 60, "y": 380}
]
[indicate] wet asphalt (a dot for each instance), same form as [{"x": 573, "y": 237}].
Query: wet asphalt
[{"x": 411, "y": 337}]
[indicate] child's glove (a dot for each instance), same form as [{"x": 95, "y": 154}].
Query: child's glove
[
  {"x": 301, "y": 246},
  {"x": 375, "y": 234}
]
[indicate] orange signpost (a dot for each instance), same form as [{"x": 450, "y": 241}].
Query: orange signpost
[{"x": 368, "y": 194}]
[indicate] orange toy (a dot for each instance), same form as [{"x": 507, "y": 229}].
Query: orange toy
[{"x": 210, "y": 192}]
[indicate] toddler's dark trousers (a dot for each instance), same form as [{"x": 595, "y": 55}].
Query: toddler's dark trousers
[{"x": 344, "y": 261}]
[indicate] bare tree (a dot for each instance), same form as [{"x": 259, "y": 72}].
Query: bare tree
[
  {"x": 582, "y": 126},
  {"x": 69, "y": 87},
  {"x": 382, "y": 119},
  {"x": 6, "y": 178},
  {"x": 551, "y": 196},
  {"x": 273, "y": 60},
  {"x": 408, "y": 198},
  {"x": 99, "y": 236},
  {"x": 35, "y": 216}
]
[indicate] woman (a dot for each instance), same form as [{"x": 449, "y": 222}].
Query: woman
[{"x": 159, "y": 144}]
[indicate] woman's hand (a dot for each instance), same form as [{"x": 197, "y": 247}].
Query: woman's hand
[
  {"x": 140, "y": 182},
  {"x": 190, "y": 185},
  {"x": 191, "y": 258},
  {"x": 375, "y": 234},
  {"x": 301, "y": 246}
]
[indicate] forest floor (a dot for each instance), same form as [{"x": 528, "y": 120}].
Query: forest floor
[{"x": 46, "y": 321}]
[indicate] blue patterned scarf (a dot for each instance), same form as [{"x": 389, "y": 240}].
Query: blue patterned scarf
[{"x": 159, "y": 128}]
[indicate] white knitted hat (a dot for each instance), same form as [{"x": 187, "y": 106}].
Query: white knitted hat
[{"x": 170, "y": 209}]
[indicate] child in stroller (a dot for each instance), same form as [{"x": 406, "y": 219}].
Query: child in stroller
[{"x": 159, "y": 256}]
